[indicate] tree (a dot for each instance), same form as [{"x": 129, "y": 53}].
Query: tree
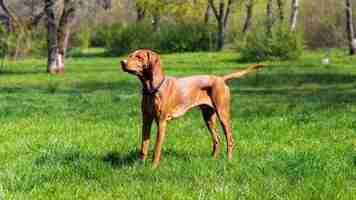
[
  {"x": 350, "y": 28},
  {"x": 155, "y": 8},
  {"x": 61, "y": 15},
  {"x": 249, "y": 14},
  {"x": 222, "y": 14},
  {"x": 269, "y": 23},
  {"x": 9, "y": 17},
  {"x": 280, "y": 4},
  {"x": 23, "y": 15},
  {"x": 294, "y": 15},
  {"x": 169, "y": 10},
  {"x": 3, "y": 45},
  {"x": 208, "y": 13},
  {"x": 5, "y": 21},
  {"x": 106, "y": 4},
  {"x": 156, "y": 19},
  {"x": 141, "y": 12},
  {"x": 19, "y": 25},
  {"x": 58, "y": 32}
]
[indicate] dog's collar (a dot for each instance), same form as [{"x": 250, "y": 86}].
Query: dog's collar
[{"x": 154, "y": 90}]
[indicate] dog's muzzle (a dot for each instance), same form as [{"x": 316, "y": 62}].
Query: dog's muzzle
[{"x": 123, "y": 65}]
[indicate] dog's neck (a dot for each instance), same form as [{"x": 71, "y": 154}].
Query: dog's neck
[{"x": 153, "y": 79}]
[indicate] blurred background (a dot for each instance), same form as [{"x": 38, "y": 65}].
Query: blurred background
[{"x": 118, "y": 26}]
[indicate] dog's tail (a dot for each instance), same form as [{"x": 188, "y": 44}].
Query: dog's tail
[{"x": 243, "y": 72}]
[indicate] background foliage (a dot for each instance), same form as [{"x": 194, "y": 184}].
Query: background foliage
[
  {"x": 183, "y": 27},
  {"x": 279, "y": 44},
  {"x": 171, "y": 37}
]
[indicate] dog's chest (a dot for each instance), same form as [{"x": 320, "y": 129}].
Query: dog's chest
[
  {"x": 158, "y": 104},
  {"x": 179, "y": 106},
  {"x": 162, "y": 106},
  {"x": 152, "y": 104}
]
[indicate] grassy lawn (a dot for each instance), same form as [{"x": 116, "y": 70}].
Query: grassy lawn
[{"x": 76, "y": 136}]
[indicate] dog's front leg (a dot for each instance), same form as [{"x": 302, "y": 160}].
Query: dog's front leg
[
  {"x": 161, "y": 124},
  {"x": 146, "y": 133}
]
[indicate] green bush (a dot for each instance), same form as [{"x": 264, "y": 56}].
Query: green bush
[
  {"x": 121, "y": 39},
  {"x": 39, "y": 44},
  {"x": 186, "y": 37},
  {"x": 15, "y": 45},
  {"x": 102, "y": 36},
  {"x": 3, "y": 42},
  {"x": 125, "y": 38},
  {"x": 281, "y": 44},
  {"x": 82, "y": 39}
]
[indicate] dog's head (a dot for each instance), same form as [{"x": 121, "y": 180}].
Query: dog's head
[{"x": 140, "y": 62}]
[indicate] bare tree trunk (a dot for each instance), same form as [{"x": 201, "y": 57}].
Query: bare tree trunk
[
  {"x": 269, "y": 10},
  {"x": 248, "y": 19},
  {"x": 156, "y": 19},
  {"x": 222, "y": 17},
  {"x": 208, "y": 13},
  {"x": 32, "y": 9},
  {"x": 37, "y": 19},
  {"x": 194, "y": 4},
  {"x": 156, "y": 22},
  {"x": 16, "y": 26},
  {"x": 5, "y": 20},
  {"x": 280, "y": 4},
  {"x": 11, "y": 19},
  {"x": 141, "y": 13},
  {"x": 65, "y": 24},
  {"x": 107, "y": 4},
  {"x": 52, "y": 66},
  {"x": 221, "y": 33},
  {"x": 221, "y": 36},
  {"x": 294, "y": 15},
  {"x": 58, "y": 35},
  {"x": 350, "y": 28}
]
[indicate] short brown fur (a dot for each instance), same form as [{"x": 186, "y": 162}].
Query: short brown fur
[{"x": 165, "y": 98}]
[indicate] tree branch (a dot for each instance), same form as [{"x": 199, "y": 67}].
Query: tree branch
[
  {"x": 228, "y": 9},
  {"x": 65, "y": 22},
  {"x": 221, "y": 11},
  {"x": 215, "y": 11},
  {"x": 280, "y": 5},
  {"x": 249, "y": 15},
  {"x": 7, "y": 11},
  {"x": 4, "y": 8},
  {"x": 36, "y": 20},
  {"x": 13, "y": 18}
]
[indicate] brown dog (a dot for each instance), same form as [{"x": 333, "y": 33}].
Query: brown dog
[{"x": 165, "y": 97}]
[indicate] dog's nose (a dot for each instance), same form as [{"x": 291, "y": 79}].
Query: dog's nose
[{"x": 123, "y": 63}]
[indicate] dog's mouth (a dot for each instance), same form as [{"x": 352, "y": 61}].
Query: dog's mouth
[
  {"x": 130, "y": 71},
  {"x": 124, "y": 67}
]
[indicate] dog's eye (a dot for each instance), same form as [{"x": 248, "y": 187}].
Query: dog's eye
[{"x": 138, "y": 57}]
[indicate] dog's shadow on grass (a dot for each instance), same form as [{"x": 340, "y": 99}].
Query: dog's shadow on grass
[{"x": 119, "y": 160}]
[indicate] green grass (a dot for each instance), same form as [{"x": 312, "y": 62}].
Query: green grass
[{"x": 76, "y": 136}]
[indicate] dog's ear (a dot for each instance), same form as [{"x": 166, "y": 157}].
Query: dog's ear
[
  {"x": 146, "y": 66},
  {"x": 153, "y": 59}
]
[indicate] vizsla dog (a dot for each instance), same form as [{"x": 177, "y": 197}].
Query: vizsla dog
[{"x": 166, "y": 97}]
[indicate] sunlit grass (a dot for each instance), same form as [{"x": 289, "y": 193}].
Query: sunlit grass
[{"x": 76, "y": 136}]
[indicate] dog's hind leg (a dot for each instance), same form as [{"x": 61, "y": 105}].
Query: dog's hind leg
[
  {"x": 209, "y": 115},
  {"x": 221, "y": 98},
  {"x": 225, "y": 122}
]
